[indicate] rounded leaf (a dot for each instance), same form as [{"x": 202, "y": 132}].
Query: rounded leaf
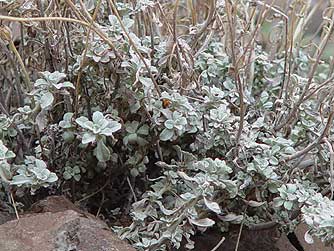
[
  {"x": 166, "y": 134},
  {"x": 88, "y": 138},
  {"x": 213, "y": 206},
  {"x": 206, "y": 222},
  {"x": 102, "y": 151},
  {"x": 169, "y": 124},
  {"x": 308, "y": 238},
  {"x": 97, "y": 117}
]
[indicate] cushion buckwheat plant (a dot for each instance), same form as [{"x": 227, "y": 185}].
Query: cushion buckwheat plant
[{"x": 178, "y": 116}]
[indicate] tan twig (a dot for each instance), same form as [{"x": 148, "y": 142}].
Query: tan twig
[
  {"x": 295, "y": 108},
  {"x": 14, "y": 205},
  {"x": 132, "y": 43},
  {"x": 218, "y": 244},
  {"x": 317, "y": 141},
  {"x": 83, "y": 60},
  {"x": 331, "y": 159},
  {"x": 100, "y": 33}
]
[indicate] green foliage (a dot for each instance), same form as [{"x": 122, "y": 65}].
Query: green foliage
[
  {"x": 96, "y": 131},
  {"x": 50, "y": 84},
  {"x": 197, "y": 123},
  {"x": 33, "y": 174}
]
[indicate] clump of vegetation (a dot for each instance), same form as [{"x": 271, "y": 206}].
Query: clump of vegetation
[{"x": 177, "y": 115}]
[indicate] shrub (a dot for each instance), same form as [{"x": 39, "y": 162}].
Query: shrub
[{"x": 208, "y": 123}]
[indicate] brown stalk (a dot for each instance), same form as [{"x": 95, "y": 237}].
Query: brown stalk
[
  {"x": 114, "y": 9},
  {"x": 83, "y": 61},
  {"x": 295, "y": 108},
  {"x": 100, "y": 33}
]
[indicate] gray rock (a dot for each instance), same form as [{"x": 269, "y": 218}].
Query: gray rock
[{"x": 67, "y": 230}]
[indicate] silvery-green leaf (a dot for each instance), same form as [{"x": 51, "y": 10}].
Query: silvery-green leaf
[
  {"x": 308, "y": 238},
  {"x": 66, "y": 84},
  {"x": 231, "y": 187},
  {"x": 273, "y": 186},
  {"x": 52, "y": 178},
  {"x": 40, "y": 82},
  {"x": 42, "y": 120},
  {"x": 213, "y": 206},
  {"x": 9, "y": 155},
  {"x": 40, "y": 163},
  {"x": 206, "y": 222},
  {"x": 131, "y": 127},
  {"x": 12, "y": 132},
  {"x": 54, "y": 77},
  {"x": 5, "y": 172},
  {"x": 134, "y": 172},
  {"x": 329, "y": 222},
  {"x": 46, "y": 99},
  {"x": 291, "y": 188},
  {"x": 169, "y": 124},
  {"x": 278, "y": 202},
  {"x": 97, "y": 117},
  {"x": 102, "y": 151},
  {"x": 107, "y": 132},
  {"x": 81, "y": 121},
  {"x": 67, "y": 120},
  {"x": 77, "y": 177},
  {"x": 89, "y": 125},
  {"x": 231, "y": 217},
  {"x": 113, "y": 126},
  {"x": 5, "y": 153},
  {"x": 68, "y": 136},
  {"x": 182, "y": 121},
  {"x": 184, "y": 176},
  {"x": 253, "y": 203},
  {"x": 273, "y": 161},
  {"x": 146, "y": 81},
  {"x": 125, "y": 140},
  {"x": 263, "y": 163},
  {"x": 88, "y": 138},
  {"x": 188, "y": 196},
  {"x": 288, "y": 205},
  {"x": 20, "y": 180},
  {"x": 67, "y": 175},
  {"x": 132, "y": 138},
  {"x": 166, "y": 211},
  {"x": 68, "y": 116},
  {"x": 76, "y": 169},
  {"x": 143, "y": 130},
  {"x": 166, "y": 134}
]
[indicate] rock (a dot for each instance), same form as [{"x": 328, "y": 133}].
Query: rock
[
  {"x": 5, "y": 216},
  {"x": 57, "y": 230},
  {"x": 318, "y": 245},
  {"x": 54, "y": 204}
]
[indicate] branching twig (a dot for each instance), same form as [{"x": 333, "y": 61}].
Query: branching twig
[
  {"x": 83, "y": 60},
  {"x": 331, "y": 157},
  {"x": 100, "y": 33},
  {"x": 316, "y": 142},
  {"x": 114, "y": 9},
  {"x": 315, "y": 65}
]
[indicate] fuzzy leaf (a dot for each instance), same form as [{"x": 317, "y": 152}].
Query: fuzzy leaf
[
  {"x": 166, "y": 134},
  {"x": 206, "y": 222},
  {"x": 102, "y": 151},
  {"x": 46, "y": 100},
  {"x": 88, "y": 138},
  {"x": 213, "y": 206}
]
